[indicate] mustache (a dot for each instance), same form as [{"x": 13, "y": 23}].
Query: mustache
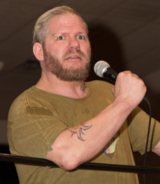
[{"x": 74, "y": 52}]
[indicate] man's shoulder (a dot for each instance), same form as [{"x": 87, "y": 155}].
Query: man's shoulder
[
  {"x": 24, "y": 95},
  {"x": 25, "y": 99}
]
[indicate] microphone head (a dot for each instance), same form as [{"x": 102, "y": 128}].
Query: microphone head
[{"x": 100, "y": 67}]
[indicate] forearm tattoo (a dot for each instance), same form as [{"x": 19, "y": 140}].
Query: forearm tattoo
[{"x": 79, "y": 130}]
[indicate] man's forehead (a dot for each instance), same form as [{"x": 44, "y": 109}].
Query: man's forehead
[{"x": 67, "y": 19}]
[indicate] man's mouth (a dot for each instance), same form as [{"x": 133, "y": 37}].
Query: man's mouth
[{"x": 73, "y": 57}]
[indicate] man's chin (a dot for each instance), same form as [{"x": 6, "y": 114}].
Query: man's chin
[
  {"x": 73, "y": 64},
  {"x": 73, "y": 68},
  {"x": 77, "y": 74}
]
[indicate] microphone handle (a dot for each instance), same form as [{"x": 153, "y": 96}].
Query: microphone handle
[{"x": 110, "y": 74}]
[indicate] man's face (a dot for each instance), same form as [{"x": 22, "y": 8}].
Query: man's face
[{"x": 67, "y": 48}]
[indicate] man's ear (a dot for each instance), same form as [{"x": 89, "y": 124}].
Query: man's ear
[{"x": 38, "y": 51}]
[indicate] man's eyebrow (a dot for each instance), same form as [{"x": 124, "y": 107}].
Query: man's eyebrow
[
  {"x": 59, "y": 33},
  {"x": 82, "y": 32}
]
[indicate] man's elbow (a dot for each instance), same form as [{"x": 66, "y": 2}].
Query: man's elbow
[
  {"x": 68, "y": 165},
  {"x": 66, "y": 162}
]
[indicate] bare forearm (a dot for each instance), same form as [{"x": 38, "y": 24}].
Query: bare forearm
[{"x": 76, "y": 145}]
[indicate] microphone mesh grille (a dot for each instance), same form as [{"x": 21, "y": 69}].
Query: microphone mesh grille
[{"x": 100, "y": 67}]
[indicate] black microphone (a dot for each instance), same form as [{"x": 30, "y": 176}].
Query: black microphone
[{"x": 103, "y": 69}]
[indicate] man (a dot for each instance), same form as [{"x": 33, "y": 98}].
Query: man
[{"x": 71, "y": 122}]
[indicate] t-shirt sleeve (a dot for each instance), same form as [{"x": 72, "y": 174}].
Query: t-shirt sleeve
[
  {"x": 32, "y": 131},
  {"x": 138, "y": 129}
]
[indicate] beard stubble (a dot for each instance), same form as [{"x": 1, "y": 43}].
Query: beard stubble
[{"x": 55, "y": 67}]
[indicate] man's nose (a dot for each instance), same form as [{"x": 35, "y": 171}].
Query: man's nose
[{"x": 74, "y": 43}]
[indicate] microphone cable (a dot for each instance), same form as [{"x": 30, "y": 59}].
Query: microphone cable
[
  {"x": 102, "y": 69},
  {"x": 149, "y": 125}
]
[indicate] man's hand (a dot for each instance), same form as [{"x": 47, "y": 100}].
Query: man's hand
[{"x": 129, "y": 88}]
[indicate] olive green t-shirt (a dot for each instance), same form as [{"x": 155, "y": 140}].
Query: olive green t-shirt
[{"x": 37, "y": 117}]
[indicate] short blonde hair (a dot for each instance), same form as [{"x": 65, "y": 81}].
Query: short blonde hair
[{"x": 40, "y": 29}]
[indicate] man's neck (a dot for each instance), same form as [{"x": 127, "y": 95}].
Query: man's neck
[{"x": 52, "y": 84}]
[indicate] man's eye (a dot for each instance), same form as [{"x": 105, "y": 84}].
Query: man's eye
[
  {"x": 80, "y": 37},
  {"x": 60, "y": 38}
]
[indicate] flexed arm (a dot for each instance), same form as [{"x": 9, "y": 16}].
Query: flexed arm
[{"x": 71, "y": 145}]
